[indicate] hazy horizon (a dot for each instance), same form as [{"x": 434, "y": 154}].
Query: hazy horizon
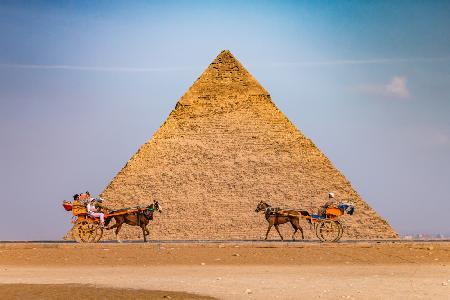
[{"x": 83, "y": 86}]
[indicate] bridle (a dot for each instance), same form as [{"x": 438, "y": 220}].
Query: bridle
[{"x": 260, "y": 208}]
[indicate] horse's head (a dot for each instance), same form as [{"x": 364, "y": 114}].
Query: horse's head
[
  {"x": 346, "y": 207},
  {"x": 157, "y": 206},
  {"x": 261, "y": 206}
]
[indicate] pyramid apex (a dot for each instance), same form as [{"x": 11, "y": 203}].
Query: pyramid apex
[
  {"x": 225, "y": 55},
  {"x": 225, "y": 51},
  {"x": 225, "y": 78},
  {"x": 228, "y": 56}
]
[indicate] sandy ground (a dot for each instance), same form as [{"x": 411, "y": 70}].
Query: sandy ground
[
  {"x": 85, "y": 292},
  {"x": 239, "y": 271}
]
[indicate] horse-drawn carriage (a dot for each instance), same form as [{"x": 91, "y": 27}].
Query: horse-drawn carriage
[
  {"x": 326, "y": 225},
  {"x": 88, "y": 229}
]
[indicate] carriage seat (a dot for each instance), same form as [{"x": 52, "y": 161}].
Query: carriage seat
[{"x": 318, "y": 217}]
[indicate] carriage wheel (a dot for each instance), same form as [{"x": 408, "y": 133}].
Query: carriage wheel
[
  {"x": 329, "y": 231},
  {"x": 75, "y": 233},
  {"x": 85, "y": 232},
  {"x": 341, "y": 231}
]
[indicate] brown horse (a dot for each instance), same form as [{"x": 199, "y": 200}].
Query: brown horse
[
  {"x": 276, "y": 216},
  {"x": 140, "y": 217}
]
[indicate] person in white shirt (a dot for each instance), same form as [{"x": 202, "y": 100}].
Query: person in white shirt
[{"x": 93, "y": 211}]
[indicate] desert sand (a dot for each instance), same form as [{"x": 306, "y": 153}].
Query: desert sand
[{"x": 252, "y": 270}]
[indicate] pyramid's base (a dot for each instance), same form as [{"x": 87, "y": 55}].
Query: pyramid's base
[{"x": 135, "y": 234}]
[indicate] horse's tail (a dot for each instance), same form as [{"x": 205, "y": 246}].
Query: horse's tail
[{"x": 304, "y": 214}]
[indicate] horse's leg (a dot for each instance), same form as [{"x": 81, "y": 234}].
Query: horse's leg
[
  {"x": 299, "y": 227},
  {"x": 143, "y": 231},
  {"x": 276, "y": 227},
  {"x": 268, "y": 229},
  {"x": 295, "y": 224},
  {"x": 147, "y": 232},
  {"x": 117, "y": 232},
  {"x": 295, "y": 230}
]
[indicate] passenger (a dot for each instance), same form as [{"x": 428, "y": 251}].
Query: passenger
[
  {"x": 92, "y": 210},
  {"x": 86, "y": 197},
  {"x": 83, "y": 198}
]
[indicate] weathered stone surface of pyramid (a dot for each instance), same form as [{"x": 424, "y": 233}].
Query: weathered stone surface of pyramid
[{"x": 225, "y": 147}]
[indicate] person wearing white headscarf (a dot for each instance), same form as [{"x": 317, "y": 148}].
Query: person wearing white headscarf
[{"x": 331, "y": 200}]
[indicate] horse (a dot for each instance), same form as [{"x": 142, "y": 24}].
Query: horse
[
  {"x": 139, "y": 217},
  {"x": 276, "y": 216}
]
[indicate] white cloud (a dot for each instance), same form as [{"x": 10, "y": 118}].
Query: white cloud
[
  {"x": 91, "y": 68},
  {"x": 363, "y": 61},
  {"x": 440, "y": 138},
  {"x": 274, "y": 64},
  {"x": 396, "y": 88}
]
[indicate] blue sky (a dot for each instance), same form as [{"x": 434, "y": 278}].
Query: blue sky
[{"x": 83, "y": 85}]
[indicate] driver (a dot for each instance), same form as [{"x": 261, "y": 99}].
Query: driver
[
  {"x": 331, "y": 200},
  {"x": 92, "y": 210}
]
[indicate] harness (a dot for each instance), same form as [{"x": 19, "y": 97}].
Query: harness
[
  {"x": 148, "y": 213},
  {"x": 271, "y": 211}
]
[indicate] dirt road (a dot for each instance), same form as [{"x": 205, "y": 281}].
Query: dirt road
[{"x": 231, "y": 271}]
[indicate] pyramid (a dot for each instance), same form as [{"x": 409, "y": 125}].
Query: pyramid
[{"x": 224, "y": 148}]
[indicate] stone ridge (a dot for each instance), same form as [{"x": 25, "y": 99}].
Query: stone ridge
[{"x": 225, "y": 147}]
